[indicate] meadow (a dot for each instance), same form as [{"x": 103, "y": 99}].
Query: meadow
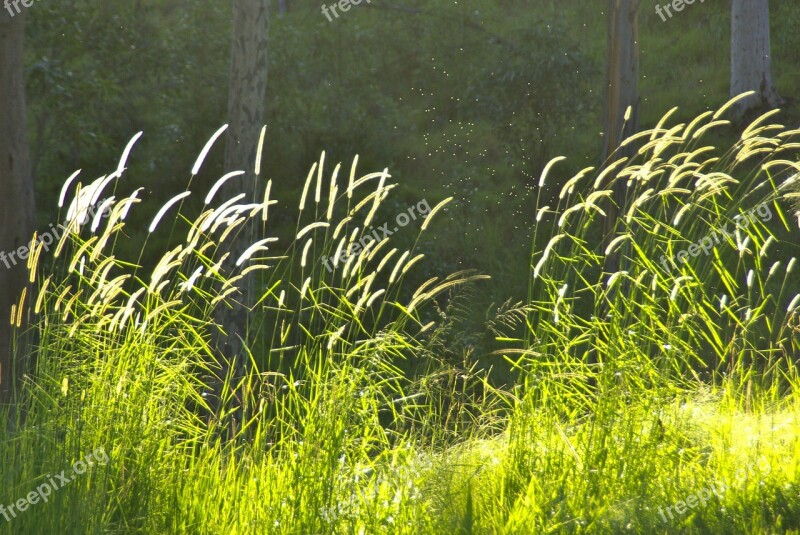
[{"x": 648, "y": 400}]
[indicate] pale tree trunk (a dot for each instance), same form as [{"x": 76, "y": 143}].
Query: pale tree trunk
[
  {"x": 17, "y": 211},
  {"x": 246, "y": 102},
  {"x": 283, "y": 7},
  {"x": 621, "y": 93},
  {"x": 751, "y": 63}
]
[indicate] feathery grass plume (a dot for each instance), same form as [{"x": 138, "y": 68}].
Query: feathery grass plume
[
  {"x": 260, "y": 245},
  {"x": 188, "y": 284},
  {"x": 34, "y": 250},
  {"x": 363, "y": 180},
  {"x": 304, "y": 288},
  {"x": 350, "y": 182},
  {"x": 100, "y": 214},
  {"x": 103, "y": 241},
  {"x": 260, "y": 150},
  {"x": 341, "y": 226},
  {"x": 165, "y": 208},
  {"x": 730, "y": 103},
  {"x": 214, "y": 270},
  {"x": 334, "y": 189},
  {"x": 65, "y": 187},
  {"x": 374, "y": 297},
  {"x": 101, "y": 271},
  {"x": 690, "y": 231},
  {"x": 203, "y": 153},
  {"x": 397, "y": 267},
  {"x": 755, "y": 127},
  {"x": 79, "y": 254},
  {"x": 306, "y": 247},
  {"x": 310, "y": 227},
  {"x": 374, "y": 251},
  {"x": 98, "y": 190},
  {"x": 569, "y": 185},
  {"x": 43, "y": 291},
  {"x": 125, "y": 362},
  {"x": 17, "y": 319},
  {"x": 363, "y": 256},
  {"x": 541, "y": 211},
  {"x": 223, "y": 218},
  {"x": 547, "y": 168},
  {"x": 267, "y": 202},
  {"x": 607, "y": 170},
  {"x": 433, "y": 212},
  {"x": 386, "y": 258},
  {"x": 348, "y": 263},
  {"x": 318, "y": 190},
  {"x": 307, "y": 184},
  {"x": 80, "y": 210},
  {"x": 165, "y": 264},
  {"x": 219, "y": 212},
  {"x": 218, "y": 184},
  {"x": 793, "y": 303},
  {"x": 125, "y": 204},
  {"x": 708, "y": 126},
  {"x": 377, "y": 197},
  {"x": 125, "y": 154}
]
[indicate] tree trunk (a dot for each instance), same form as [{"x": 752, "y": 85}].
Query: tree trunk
[
  {"x": 283, "y": 7},
  {"x": 751, "y": 63},
  {"x": 17, "y": 211},
  {"x": 621, "y": 93},
  {"x": 246, "y": 102}
]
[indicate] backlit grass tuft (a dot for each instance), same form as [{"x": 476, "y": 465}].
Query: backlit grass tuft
[{"x": 637, "y": 390}]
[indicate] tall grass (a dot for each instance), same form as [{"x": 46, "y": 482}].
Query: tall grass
[{"x": 636, "y": 389}]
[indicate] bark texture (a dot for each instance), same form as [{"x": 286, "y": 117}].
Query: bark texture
[
  {"x": 246, "y": 103},
  {"x": 751, "y": 63},
  {"x": 17, "y": 210},
  {"x": 621, "y": 93}
]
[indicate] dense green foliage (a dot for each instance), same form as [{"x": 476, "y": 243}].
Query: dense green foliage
[
  {"x": 401, "y": 393},
  {"x": 456, "y": 102},
  {"x": 349, "y": 419},
  {"x": 468, "y": 99}
]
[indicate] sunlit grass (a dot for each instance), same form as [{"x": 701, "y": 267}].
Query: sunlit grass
[{"x": 636, "y": 389}]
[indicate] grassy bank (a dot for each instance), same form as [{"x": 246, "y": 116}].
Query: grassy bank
[{"x": 660, "y": 398}]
